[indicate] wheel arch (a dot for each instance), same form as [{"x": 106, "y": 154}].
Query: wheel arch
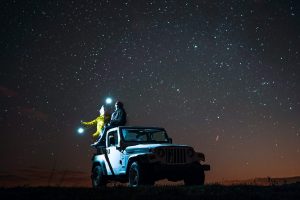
[
  {"x": 142, "y": 158},
  {"x": 100, "y": 163}
]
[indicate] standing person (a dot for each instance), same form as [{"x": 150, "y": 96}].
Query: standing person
[
  {"x": 118, "y": 118},
  {"x": 100, "y": 122}
]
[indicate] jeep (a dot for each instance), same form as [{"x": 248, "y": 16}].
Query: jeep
[{"x": 143, "y": 155}]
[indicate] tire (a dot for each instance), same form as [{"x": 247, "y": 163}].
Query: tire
[
  {"x": 137, "y": 175},
  {"x": 196, "y": 175},
  {"x": 98, "y": 179}
]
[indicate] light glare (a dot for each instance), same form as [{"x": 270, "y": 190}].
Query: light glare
[
  {"x": 80, "y": 130},
  {"x": 108, "y": 100}
]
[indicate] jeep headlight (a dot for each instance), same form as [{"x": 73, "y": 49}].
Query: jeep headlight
[
  {"x": 190, "y": 152},
  {"x": 160, "y": 152}
]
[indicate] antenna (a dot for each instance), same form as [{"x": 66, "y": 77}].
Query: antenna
[{"x": 52, "y": 172}]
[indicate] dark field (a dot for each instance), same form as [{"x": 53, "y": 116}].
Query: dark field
[{"x": 242, "y": 192}]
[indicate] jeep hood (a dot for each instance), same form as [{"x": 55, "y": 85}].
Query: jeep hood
[{"x": 144, "y": 148}]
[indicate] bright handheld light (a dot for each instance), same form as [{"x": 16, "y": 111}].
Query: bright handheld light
[
  {"x": 108, "y": 100},
  {"x": 80, "y": 130}
]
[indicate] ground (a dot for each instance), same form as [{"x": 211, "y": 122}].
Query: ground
[{"x": 244, "y": 192}]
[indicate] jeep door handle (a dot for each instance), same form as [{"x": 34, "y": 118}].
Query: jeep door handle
[{"x": 108, "y": 151}]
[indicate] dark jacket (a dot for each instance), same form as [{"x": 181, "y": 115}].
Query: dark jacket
[{"x": 118, "y": 118}]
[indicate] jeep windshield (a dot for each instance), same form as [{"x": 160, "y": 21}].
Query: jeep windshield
[{"x": 144, "y": 135}]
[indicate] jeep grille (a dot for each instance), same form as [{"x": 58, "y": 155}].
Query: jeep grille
[{"x": 175, "y": 155}]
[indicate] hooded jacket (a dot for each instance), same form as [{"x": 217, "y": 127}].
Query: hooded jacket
[{"x": 118, "y": 117}]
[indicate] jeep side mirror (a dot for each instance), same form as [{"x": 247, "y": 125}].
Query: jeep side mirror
[{"x": 170, "y": 140}]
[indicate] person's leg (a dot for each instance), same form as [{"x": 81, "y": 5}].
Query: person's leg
[{"x": 101, "y": 139}]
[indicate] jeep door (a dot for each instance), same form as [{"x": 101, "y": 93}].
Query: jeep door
[{"x": 116, "y": 157}]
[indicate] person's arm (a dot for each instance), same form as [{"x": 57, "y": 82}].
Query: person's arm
[{"x": 91, "y": 123}]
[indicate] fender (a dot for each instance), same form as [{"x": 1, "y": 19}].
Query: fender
[
  {"x": 102, "y": 164},
  {"x": 103, "y": 151},
  {"x": 142, "y": 157},
  {"x": 108, "y": 162},
  {"x": 136, "y": 157}
]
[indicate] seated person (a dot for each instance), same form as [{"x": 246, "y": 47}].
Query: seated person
[{"x": 118, "y": 118}]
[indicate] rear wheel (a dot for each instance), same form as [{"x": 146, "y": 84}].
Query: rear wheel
[
  {"x": 195, "y": 176},
  {"x": 98, "y": 179},
  {"x": 137, "y": 175}
]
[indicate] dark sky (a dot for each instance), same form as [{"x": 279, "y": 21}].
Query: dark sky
[{"x": 221, "y": 76}]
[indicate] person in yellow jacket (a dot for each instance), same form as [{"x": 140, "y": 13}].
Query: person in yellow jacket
[{"x": 100, "y": 121}]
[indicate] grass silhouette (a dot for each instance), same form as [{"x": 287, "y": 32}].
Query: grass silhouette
[{"x": 234, "y": 192}]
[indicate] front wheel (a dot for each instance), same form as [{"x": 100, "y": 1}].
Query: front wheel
[
  {"x": 195, "y": 176},
  {"x": 98, "y": 179},
  {"x": 137, "y": 175}
]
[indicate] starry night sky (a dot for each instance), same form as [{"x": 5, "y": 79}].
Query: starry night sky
[{"x": 221, "y": 76}]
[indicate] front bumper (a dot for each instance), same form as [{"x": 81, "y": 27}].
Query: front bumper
[{"x": 174, "y": 172}]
